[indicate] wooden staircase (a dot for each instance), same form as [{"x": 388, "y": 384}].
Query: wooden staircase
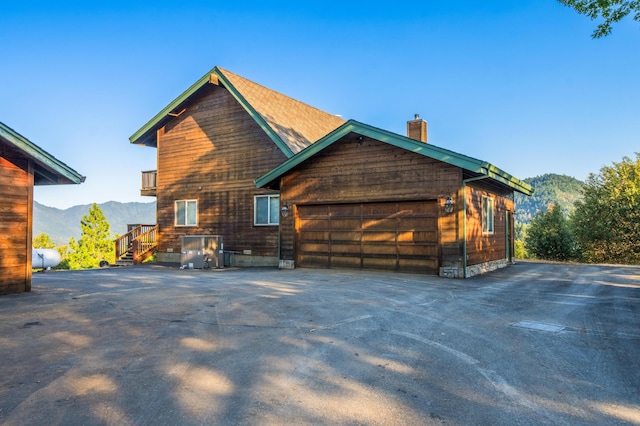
[{"x": 137, "y": 245}]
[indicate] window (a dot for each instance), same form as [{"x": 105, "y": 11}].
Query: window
[
  {"x": 267, "y": 210},
  {"x": 487, "y": 215},
  {"x": 186, "y": 212}
]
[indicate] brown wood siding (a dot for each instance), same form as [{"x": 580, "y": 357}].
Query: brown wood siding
[
  {"x": 212, "y": 153},
  {"x": 450, "y": 233},
  {"x": 16, "y": 191},
  {"x": 371, "y": 171},
  {"x": 481, "y": 247}
]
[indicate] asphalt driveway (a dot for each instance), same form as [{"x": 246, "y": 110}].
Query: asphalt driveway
[{"x": 534, "y": 343}]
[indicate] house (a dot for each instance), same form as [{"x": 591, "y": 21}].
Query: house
[
  {"x": 286, "y": 184},
  {"x": 22, "y": 165},
  {"x": 212, "y": 142}
]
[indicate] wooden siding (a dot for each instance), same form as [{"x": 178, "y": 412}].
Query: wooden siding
[
  {"x": 356, "y": 169},
  {"x": 16, "y": 191},
  {"x": 450, "y": 232},
  {"x": 212, "y": 153},
  {"x": 481, "y": 247}
]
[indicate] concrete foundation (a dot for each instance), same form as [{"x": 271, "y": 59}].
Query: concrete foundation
[
  {"x": 248, "y": 260},
  {"x": 236, "y": 259},
  {"x": 164, "y": 257}
]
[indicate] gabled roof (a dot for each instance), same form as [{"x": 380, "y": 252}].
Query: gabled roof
[
  {"x": 479, "y": 167},
  {"x": 47, "y": 169},
  {"x": 291, "y": 124}
]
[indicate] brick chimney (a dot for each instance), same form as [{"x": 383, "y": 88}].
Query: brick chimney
[{"x": 417, "y": 129}]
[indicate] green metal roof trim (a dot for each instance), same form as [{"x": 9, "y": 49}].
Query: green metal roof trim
[
  {"x": 428, "y": 150},
  {"x": 148, "y": 131},
  {"x": 42, "y": 158},
  {"x": 141, "y": 136}
]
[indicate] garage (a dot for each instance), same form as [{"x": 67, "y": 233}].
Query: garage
[
  {"x": 363, "y": 197},
  {"x": 394, "y": 236}
]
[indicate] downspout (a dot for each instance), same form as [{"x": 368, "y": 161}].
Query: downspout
[
  {"x": 279, "y": 248},
  {"x": 464, "y": 222},
  {"x": 280, "y": 218}
]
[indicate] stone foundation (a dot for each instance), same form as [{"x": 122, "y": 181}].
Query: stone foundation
[
  {"x": 472, "y": 270},
  {"x": 287, "y": 264},
  {"x": 483, "y": 268},
  {"x": 451, "y": 272}
]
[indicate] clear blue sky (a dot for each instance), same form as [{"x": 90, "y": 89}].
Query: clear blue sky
[{"x": 520, "y": 84}]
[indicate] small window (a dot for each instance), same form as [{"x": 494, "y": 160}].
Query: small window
[
  {"x": 267, "y": 210},
  {"x": 186, "y": 212},
  {"x": 487, "y": 215}
]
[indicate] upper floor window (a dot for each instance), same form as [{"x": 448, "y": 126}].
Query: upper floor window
[
  {"x": 266, "y": 210},
  {"x": 186, "y": 212},
  {"x": 487, "y": 215}
]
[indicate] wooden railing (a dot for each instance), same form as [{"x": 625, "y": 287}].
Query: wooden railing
[
  {"x": 149, "y": 179},
  {"x": 139, "y": 243}
]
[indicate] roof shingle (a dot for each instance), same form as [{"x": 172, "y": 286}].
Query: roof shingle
[
  {"x": 291, "y": 124},
  {"x": 296, "y": 123}
]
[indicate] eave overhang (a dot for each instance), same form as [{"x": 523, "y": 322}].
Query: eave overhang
[
  {"x": 147, "y": 134},
  {"x": 428, "y": 150},
  {"x": 48, "y": 170}
]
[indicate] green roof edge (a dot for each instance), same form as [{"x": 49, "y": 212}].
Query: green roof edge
[
  {"x": 39, "y": 154},
  {"x": 135, "y": 138},
  {"x": 184, "y": 96},
  {"x": 412, "y": 145}
]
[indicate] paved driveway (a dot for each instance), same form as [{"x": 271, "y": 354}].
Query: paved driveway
[{"x": 535, "y": 343}]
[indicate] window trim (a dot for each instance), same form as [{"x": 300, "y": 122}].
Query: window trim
[
  {"x": 255, "y": 209},
  {"x": 488, "y": 215},
  {"x": 186, "y": 211}
]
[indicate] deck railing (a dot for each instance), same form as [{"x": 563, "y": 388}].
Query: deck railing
[
  {"x": 149, "y": 180},
  {"x": 140, "y": 241}
]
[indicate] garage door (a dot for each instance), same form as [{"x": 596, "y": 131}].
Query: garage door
[{"x": 391, "y": 236}]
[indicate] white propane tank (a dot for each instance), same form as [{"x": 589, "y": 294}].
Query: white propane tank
[{"x": 45, "y": 258}]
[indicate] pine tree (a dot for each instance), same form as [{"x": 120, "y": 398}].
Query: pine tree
[
  {"x": 95, "y": 243},
  {"x": 43, "y": 241}
]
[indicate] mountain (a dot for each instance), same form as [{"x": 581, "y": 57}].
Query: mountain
[
  {"x": 61, "y": 225},
  {"x": 548, "y": 189}
]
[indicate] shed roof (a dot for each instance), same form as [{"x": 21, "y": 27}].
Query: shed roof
[
  {"x": 291, "y": 124},
  {"x": 48, "y": 170},
  {"x": 479, "y": 167}
]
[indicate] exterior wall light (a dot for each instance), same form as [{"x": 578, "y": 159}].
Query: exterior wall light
[
  {"x": 284, "y": 210},
  {"x": 448, "y": 205}
]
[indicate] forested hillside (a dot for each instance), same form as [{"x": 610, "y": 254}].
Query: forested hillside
[
  {"x": 549, "y": 188},
  {"x": 61, "y": 225}
]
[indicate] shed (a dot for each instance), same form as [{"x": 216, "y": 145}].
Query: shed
[{"x": 22, "y": 165}]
